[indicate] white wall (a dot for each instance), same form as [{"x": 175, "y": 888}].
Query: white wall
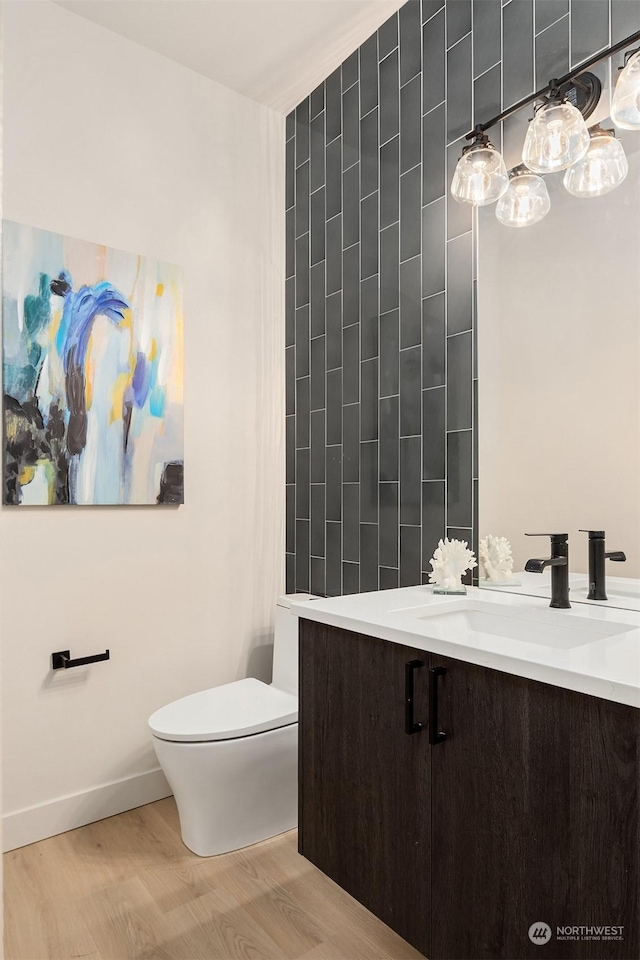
[
  {"x": 107, "y": 141},
  {"x": 558, "y": 362}
]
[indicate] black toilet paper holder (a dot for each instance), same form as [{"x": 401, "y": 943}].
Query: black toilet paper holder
[{"x": 61, "y": 660}]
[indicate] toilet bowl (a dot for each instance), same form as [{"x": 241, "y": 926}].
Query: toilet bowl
[{"x": 230, "y": 753}]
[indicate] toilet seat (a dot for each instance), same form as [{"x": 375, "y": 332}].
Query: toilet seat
[{"x": 234, "y": 710}]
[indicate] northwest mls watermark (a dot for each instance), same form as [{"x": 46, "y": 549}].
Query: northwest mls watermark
[{"x": 540, "y": 932}]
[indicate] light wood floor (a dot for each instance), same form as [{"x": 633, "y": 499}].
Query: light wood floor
[{"x": 127, "y": 888}]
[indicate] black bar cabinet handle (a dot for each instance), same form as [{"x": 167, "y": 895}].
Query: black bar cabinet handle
[
  {"x": 435, "y": 735},
  {"x": 61, "y": 660},
  {"x": 410, "y": 725}
]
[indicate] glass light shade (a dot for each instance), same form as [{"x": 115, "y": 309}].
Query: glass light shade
[
  {"x": 625, "y": 106},
  {"x": 480, "y": 177},
  {"x": 603, "y": 167},
  {"x": 556, "y": 138},
  {"x": 525, "y": 202}
]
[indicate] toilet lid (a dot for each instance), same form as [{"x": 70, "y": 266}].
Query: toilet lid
[{"x": 233, "y": 710}]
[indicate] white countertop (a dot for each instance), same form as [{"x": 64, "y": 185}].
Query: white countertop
[{"x": 606, "y": 667}]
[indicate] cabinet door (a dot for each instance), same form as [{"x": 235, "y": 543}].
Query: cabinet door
[
  {"x": 364, "y": 783},
  {"x": 535, "y": 818}
]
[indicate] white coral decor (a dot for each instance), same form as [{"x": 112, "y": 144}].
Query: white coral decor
[
  {"x": 496, "y": 558},
  {"x": 450, "y": 561}
]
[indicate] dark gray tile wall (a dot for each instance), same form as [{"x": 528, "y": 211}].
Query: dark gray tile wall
[{"x": 381, "y": 388}]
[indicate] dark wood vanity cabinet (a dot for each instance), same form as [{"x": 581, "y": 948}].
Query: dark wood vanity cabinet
[{"x": 526, "y": 813}]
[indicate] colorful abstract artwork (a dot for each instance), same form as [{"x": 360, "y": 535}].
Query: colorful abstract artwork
[{"x": 92, "y": 373}]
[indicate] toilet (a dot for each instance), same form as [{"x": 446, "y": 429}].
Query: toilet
[{"x": 230, "y": 753}]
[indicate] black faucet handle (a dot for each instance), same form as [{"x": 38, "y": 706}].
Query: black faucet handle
[
  {"x": 555, "y": 537},
  {"x": 594, "y": 534}
]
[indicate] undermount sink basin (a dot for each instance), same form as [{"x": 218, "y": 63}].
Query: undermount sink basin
[{"x": 467, "y": 618}]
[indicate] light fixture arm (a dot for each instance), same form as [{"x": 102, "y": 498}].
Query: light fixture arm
[{"x": 480, "y": 128}]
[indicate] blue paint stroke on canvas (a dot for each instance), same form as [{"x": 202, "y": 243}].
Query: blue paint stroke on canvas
[{"x": 93, "y": 373}]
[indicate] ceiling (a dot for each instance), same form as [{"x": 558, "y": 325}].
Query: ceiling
[{"x": 274, "y": 51}]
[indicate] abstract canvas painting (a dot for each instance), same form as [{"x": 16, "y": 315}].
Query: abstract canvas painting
[{"x": 92, "y": 373}]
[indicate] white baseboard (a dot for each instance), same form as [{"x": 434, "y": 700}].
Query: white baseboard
[{"x": 67, "y": 813}]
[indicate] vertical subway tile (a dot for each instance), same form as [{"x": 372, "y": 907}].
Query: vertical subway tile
[
  {"x": 302, "y": 412},
  {"x": 548, "y": 11},
  {"x": 517, "y": 51},
  {"x": 317, "y": 576},
  {"x": 459, "y": 382},
  {"x": 303, "y": 466},
  {"x": 410, "y": 194},
  {"x": 350, "y": 578},
  {"x": 625, "y": 17},
  {"x": 433, "y": 153},
  {"x": 317, "y": 461},
  {"x": 369, "y": 75},
  {"x": 433, "y": 71},
  {"x": 389, "y": 438},
  {"x": 368, "y": 557},
  {"x": 351, "y": 443},
  {"x": 389, "y": 182},
  {"x": 350, "y": 70},
  {"x": 334, "y": 406},
  {"x": 317, "y": 101},
  {"x": 410, "y": 398},
  {"x": 434, "y": 434},
  {"x": 350, "y": 126},
  {"x": 552, "y": 52},
  {"x": 487, "y": 95},
  {"x": 351, "y": 206},
  {"x": 290, "y": 125},
  {"x": 433, "y": 247},
  {"x": 389, "y": 269},
  {"x": 290, "y": 573},
  {"x": 317, "y": 520},
  {"x": 302, "y": 132},
  {"x": 410, "y": 573},
  {"x": 290, "y": 242},
  {"x": 317, "y": 373},
  {"x": 351, "y": 363},
  {"x": 410, "y": 479},
  {"x": 589, "y": 28},
  {"x": 334, "y": 330},
  {"x": 388, "y": 525},
  {"x": 433, "y": 519},
  {"x": 290, "y": 521},
  {"x": 410, "y": 286},
  {"x": 317, "y": 298},
  {"x": 369, "y": 235},
  {"x": 290, "y": 174},
  {"x": 389, "y": 97},
  {"x": 290, "y": 465},
  {"x": 334, "y": 254},
  {"x": 351, "y": 522},
  {"x": 388, "y": 36},
  {"x": 459, "y": 89},
  {"x": 458, "y": 20},
  {"x": 333, "y": 106},
  {"x": 333, "y": 185},
  {"x": 430, "y": 8},
  {"x": 369, "y": 481},
  {"x": 351, "y": 285},
  {"x": 389, "y": 353},
  {"x": 433, "y": 341},
  {"x": 369, "y": 318},
  {"x": 369, "y": 156},
  {"x": 290, "y": 380},
  {"x": 290, "y": 311},
  {"x": 333, "y": 484},
  {"x": 302, "y": 341},
  {"x": 410, "y": 113},
  {"x": 459, "y": 283},
  {"x": 317, "y": 153},
  {"x": 302, "y": 556},
  {"x": 302, "y": 270},
  {"x": 410, "y": 24},
  {"x": 487, "y": 27},
  {"x": 388, "y": 578},
  {"x": 317, "y": 226},
  {"x": 333, "y": 585},
  {"x": 459, "y": 479},
  {"x": 369, "y": 399}
]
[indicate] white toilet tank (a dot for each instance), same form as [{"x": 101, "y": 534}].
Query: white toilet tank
[{"x": 285, "y": 643}]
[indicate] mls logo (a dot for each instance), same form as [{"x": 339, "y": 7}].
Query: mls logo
[{"x": 539, "y": 933}]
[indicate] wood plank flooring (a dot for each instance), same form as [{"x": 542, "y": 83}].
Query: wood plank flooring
[{"x": 126, "y": 888}]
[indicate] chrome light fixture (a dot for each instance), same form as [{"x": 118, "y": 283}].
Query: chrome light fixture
[
  {"x": 601, "y": 170},
  {"x": 480, "y": 176},
  {"x": 557, "y": 137},
  {"x": 625, "y": 106},
  {"x": 526, "y": 201}
]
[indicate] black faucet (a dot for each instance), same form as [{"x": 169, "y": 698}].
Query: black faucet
[
  {"x": 559, "y": 563},
  {"x": 597, "y": 557}
]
